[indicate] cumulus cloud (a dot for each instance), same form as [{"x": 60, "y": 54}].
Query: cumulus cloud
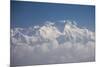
[{"x": 47, "y": 44}]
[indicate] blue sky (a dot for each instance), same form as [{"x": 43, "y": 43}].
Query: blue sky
[{"x": 26, "y": 14}]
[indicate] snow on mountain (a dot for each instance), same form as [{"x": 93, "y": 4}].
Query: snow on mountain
[{"x": 33, "y": 44}]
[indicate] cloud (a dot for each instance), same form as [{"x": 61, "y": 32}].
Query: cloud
[{"x": 47, "y": 44}]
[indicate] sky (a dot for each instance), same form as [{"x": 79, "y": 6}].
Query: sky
[
  {"x": 26, "y": 14},
  {"x": 44, "y": 33}
]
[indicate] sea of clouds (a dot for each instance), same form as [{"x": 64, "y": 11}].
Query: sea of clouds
[{"x": 51, "y": 43}]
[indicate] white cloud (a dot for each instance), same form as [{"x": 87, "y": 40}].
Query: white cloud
[
  {"x": 49, "y": 45},
  {"x": 49, "y": 31},
  {"x": 36, "y": 27}
]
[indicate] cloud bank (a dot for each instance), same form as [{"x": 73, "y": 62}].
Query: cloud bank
[{"x": 52, "y": 43}]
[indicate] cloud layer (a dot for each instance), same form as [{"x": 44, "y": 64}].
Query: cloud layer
[{"x": 52, "y": 43}]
